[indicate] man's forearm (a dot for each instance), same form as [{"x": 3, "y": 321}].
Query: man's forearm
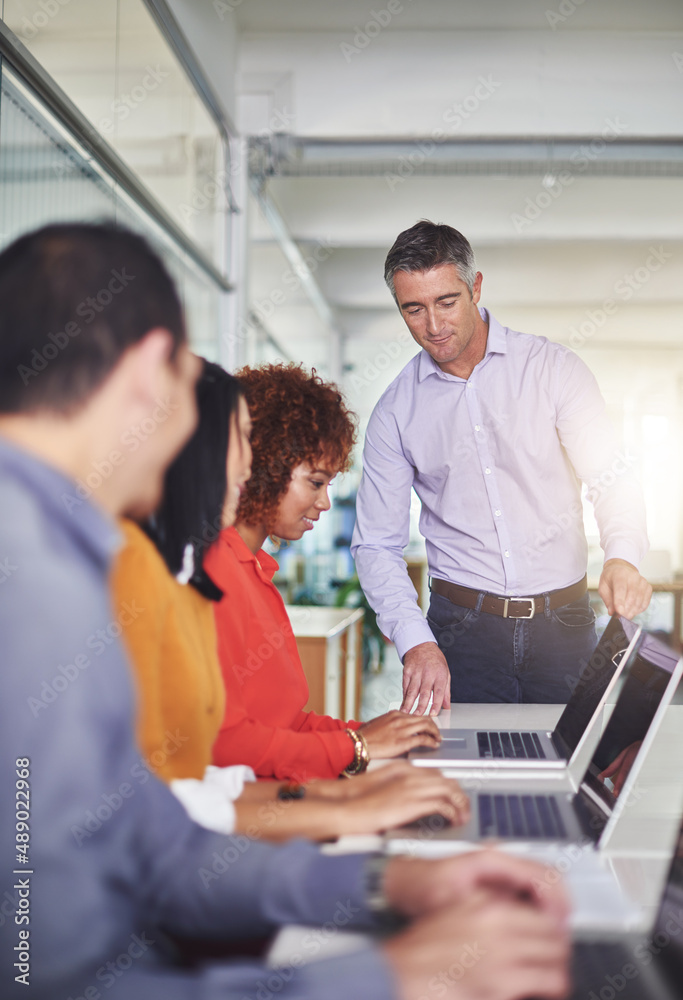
[
  {"x": 236, "y": 884},
  {"x": 383, "y": 575},
  {"x": 620, "y": 514}
]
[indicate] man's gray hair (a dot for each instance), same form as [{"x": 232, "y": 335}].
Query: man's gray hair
[{"x": 426, "y": 245}]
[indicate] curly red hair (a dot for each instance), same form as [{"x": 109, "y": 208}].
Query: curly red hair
[{"x": 296, "y": 418}]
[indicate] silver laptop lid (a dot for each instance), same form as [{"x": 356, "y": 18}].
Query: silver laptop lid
[
  {"x": 651, "y": 678},
  {"x": 594, "y": 684}
]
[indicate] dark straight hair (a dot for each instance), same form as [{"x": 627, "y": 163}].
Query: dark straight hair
[
  {"x": 426, "y": 245},
  {"x": 195, "y": 486},
  {"x": 73, "y": 298}
]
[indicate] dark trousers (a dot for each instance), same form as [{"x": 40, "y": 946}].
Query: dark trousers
[{"x": 494, "y": 659}]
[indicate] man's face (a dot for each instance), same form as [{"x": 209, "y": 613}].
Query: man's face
[{"x": 440, "y": 312}]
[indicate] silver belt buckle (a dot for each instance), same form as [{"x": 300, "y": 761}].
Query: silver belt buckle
[{"x": 516, "y": 600}]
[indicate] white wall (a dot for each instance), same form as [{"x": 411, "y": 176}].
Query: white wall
[{"x": 539, "y": 82}]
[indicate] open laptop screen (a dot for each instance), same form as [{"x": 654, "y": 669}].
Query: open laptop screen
[
  {"x": 647, "y": 678},
  {"x": 593, "y": 681}
]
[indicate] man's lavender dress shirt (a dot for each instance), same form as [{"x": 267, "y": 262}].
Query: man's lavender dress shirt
[{"x": 497, "y": 461}]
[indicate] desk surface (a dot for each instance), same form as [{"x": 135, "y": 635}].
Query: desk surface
[{"x": 311, "y": 622}]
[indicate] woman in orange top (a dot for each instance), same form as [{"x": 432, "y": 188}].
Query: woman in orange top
[
  {"x": 171, "y": 639},
  {"x": 302, "y": 436}
]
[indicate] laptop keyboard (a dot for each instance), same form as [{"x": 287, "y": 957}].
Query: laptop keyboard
[
  {"x": 528, "y": 816},
  {"x": 525, "y": 745},
  {"x": 593, "y": 964}
]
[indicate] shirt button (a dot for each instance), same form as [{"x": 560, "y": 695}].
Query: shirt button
[
  {"x": 507, "y": 554},
  {"x": 477, "y": 427},
  {"x": 497, "y": 513},
  {"x": 487, "y": 471}
]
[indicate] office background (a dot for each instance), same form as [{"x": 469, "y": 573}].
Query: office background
[{"x": 272, "y": 150}]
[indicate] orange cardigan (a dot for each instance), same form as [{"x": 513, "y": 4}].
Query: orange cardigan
[
  {"x": 265, "y": 725},
  {"x": 171, "y": 641}
]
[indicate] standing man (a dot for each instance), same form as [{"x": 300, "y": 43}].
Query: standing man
[{"x": 495, "y": 430}]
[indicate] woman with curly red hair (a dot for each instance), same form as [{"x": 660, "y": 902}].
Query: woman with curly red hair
[{"x": 302, "y": 437}]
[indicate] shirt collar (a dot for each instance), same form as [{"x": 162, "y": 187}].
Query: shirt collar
[
  {"x": 95, "y": 531},
  {"x": 496, "y": 343},
  {"x": 265, "y": 563}
]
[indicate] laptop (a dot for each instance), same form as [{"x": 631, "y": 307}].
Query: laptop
[
  {"x": 539, "y": 749},
  {"x": 638, "y": 966},
  {"x": 509, "y": 811}
]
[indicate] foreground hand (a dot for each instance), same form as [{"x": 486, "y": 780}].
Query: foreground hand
[
  {"x": 619, "y": 768},
  {"x": 416, "y": 886},
  {"x": 395, "y": 733},
  {"x": 622, "y": 588},
  {"x": 487, "y": 947},
  {"x": 426, "y": 672},
  {"x": 406, "y": 797}
]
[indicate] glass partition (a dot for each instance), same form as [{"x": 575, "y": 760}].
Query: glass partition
[
  {"x": 112, "y": 61},
  {"x": 46, "y": 175}
]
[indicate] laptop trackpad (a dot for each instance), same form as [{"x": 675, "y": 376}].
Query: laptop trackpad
[{"x": 447, "y": 746}]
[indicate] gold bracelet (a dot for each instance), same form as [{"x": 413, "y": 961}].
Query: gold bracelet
[{"x": 361, "y": 755}]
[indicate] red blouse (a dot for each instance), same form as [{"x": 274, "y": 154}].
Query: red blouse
[{"x": 265, "y": 725}]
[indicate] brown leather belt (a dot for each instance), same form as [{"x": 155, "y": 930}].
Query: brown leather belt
[{"x": 508, "y": 607}]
